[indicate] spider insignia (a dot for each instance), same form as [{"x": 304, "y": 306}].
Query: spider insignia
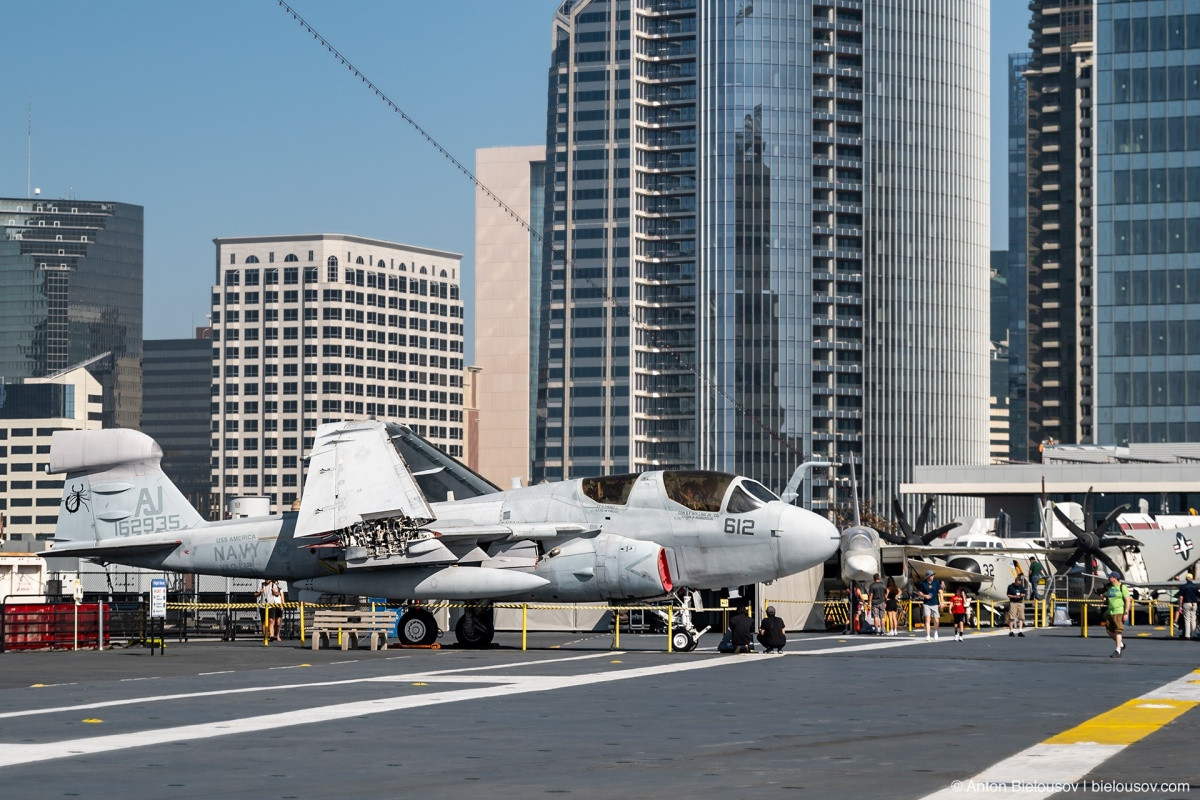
[{"x": 78, "y": 497}]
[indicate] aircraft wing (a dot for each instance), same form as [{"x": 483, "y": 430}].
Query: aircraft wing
[
  {"x": 947, "y": 574},
  {"x": 952, "y": 550},
  {"x": 355, "y": 474},
  {"x": 449, "y": 529},
  {"x": 440, "y": 477}
]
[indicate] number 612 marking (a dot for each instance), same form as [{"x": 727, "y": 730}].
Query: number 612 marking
[{"x": 743, "y": 526}]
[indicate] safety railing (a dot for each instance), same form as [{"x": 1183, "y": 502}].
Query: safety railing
[
  {"x": 27, "y": 622},
  {"x": 298, "y": 615}
]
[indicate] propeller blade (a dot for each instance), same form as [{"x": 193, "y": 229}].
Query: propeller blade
[
  {"x": 1108, "y": 562},
  {"x": 892, "y": 538},
  {"x": 1088, "y": 508},
  {"x": 901, "y": 519},
  {"x": 923, "y": 517},
  {"x": 1112, "y": 516},
  {"x": 1069, "y": 523},
  {"x": 1121, "y": 540},
  {"x": 936, "y": 532},
  {"x": 1065, "y": 566}
]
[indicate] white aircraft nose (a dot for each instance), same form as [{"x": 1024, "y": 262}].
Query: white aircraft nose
[
  {"x": 806, "y": 539},
  {"x": 861, "y": 566}
]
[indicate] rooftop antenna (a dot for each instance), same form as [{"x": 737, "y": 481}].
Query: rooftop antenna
[{"x": 29, "y": 146}]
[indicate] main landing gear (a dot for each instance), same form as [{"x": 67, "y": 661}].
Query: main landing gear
[
  {"x": 417, "y": 627},
  {"x": 476, "y": 628}
]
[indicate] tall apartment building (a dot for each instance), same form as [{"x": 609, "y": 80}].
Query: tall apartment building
[
  {"x": 30, "y": 412},
  {"x": 767, "y": 239},
  {"x": 323, "y": 328},
  {"x": 176, "y": 412},
  {"x": 71, "y": 289},
  {"x": 1017, "y": 313},
  {"x": 507, "y": 260},
  {"x": 1060, "y": 268},
  {"x": 1147, "y": 312},
  {"x": 999, "y": 400}
]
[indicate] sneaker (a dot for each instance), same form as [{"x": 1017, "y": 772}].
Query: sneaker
[
  {"x": 1011, "y": 633},
  {"x": 935, "y": 634},
  {"x": 928, "y": 638},
  {"x": 1021, "y": 634},
  {"x": 1115, "y": 654}
]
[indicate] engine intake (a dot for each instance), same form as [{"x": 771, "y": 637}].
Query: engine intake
[{"x": 607, "y": 567}]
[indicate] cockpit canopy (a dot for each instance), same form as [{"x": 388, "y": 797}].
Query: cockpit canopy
[{"x": 697, "y": 490}]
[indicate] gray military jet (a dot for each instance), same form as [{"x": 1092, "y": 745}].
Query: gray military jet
[{"x": 365, "y": 526}]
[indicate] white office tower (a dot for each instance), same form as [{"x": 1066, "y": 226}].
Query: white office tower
[
  {"x": 325, "y": 328},
  {"x": 776, "y": 215}
]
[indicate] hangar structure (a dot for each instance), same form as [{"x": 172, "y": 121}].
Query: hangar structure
[{"x": 1151, "y": 478}]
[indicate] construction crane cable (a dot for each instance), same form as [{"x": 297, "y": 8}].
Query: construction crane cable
[{"x": 537, "y": 235}]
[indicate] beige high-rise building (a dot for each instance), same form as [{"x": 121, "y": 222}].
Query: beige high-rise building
[
  {"x": 506, "y": 264},
  {"x": 30, "y": 413},
  {"x": 324, "y": 328}
]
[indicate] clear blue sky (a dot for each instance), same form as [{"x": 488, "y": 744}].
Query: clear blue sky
[{"x": 224, "y": 118}]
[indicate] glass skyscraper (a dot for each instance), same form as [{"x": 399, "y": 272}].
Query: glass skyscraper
[
  {"x": 1018, "y": 276},
  {"x": 1148, "y": 221},
  {"x": 766, "y": 230},
  {"x": 71, "y": 289}
]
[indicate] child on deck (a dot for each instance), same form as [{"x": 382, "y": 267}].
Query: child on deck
[{"x": 958, "y": 607}]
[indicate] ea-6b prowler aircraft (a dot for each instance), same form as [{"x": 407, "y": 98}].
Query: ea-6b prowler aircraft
[{"x": 365, "y": 527}]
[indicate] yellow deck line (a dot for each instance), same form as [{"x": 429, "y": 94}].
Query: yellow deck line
[{"x": 1127, "y": 723}]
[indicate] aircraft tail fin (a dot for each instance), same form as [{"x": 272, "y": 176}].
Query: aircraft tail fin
[{"x": 114, "y": 488}]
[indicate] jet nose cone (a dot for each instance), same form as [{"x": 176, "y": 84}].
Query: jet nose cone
[{"x": 808, "y": 539}]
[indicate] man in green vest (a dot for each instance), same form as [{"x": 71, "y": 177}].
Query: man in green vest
[{"x": 1116, "y": 595}]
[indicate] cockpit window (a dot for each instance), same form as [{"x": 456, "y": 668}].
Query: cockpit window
[
  {"x": 758, "y": 490},
  {"x": 699, "y": 491},
  {"x": 741, "y": 502},
  {"x": 611, "y": 489}
]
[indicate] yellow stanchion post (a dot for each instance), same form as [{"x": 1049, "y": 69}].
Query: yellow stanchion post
[
  {"x": 911, "y": 606},
  {"x": 670, "y": 631},
  {"x": 302, "y": 639},
  {"x": 266, "y": 624},
  {"x": 616, "y": 629},
  {"x": 1083, "y": 615},
  {"x": 978, "y": 613},
  {"x": 524, "y": 624}
]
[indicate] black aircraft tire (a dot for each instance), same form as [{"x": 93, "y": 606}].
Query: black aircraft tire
[
  {"x": 475, "y": 634},
  {"x": 417, "y": 627},
  {"x": 683, "y": 641}
]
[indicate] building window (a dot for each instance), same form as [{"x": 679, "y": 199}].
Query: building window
[{"x": 251, "y": 259}]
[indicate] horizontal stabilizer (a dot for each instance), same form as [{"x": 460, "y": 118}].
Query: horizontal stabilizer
[{"x": 114, "y": 548}]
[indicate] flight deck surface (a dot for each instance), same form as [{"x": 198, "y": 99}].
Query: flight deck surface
[{"x": 834, "y": 716}]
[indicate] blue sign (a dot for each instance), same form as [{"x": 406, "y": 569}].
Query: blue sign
[{"x": 158, "y": 598}]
